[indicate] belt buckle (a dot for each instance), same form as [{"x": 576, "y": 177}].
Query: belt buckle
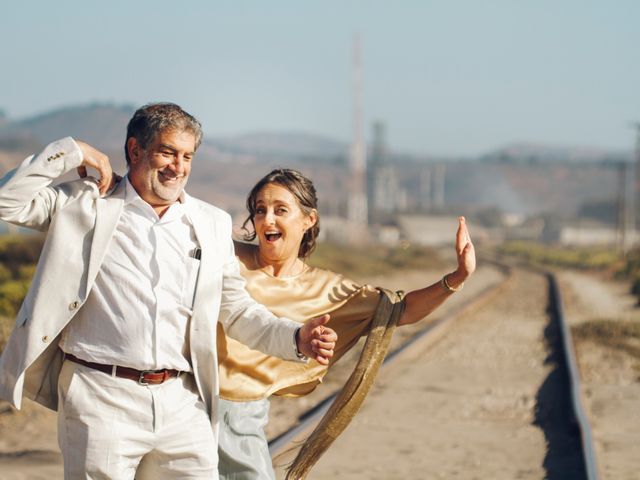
[{"x": 141, "y": 379}]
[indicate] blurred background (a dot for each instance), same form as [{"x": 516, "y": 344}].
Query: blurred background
[{"x": 521, "y": 116}]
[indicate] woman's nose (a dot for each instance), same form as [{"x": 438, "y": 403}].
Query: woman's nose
[{"x": 269, "y": 218}]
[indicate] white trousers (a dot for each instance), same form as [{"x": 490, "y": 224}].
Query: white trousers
[
  {"x": 243, "y": 449},
  {"x": 114, "y": 428}
]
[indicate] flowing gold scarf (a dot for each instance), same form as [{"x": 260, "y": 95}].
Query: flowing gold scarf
[{"x": 352, "y": 395}]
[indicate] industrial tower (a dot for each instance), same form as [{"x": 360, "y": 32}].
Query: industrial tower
[{"x": 357, "y": 199}]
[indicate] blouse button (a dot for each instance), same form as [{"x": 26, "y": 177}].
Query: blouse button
[
  {"x": 45, "y": 338},
  {"x": 74, "y": 305}
]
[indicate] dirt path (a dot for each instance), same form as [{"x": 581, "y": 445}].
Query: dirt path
[{"x": 28, "y": 443}]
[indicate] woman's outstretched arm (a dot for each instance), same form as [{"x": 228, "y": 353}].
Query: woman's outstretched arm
[{"x": 420, "y": 303}]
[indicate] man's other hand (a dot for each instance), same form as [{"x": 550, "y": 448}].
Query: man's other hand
[
  {"x": 98, "y": 161},
  {"x": 317, "y": 341}
]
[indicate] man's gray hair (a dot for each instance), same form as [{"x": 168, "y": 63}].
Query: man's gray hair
[{"x": 154, "y": 118}]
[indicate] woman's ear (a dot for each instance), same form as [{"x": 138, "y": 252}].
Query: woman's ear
[{"x": 311, "y": 219}]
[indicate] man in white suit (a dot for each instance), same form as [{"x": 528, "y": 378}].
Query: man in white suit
[{"x": 118, "y": 329}]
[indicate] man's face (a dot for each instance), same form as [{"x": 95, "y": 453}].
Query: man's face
[{"x": 160, "y": 171}]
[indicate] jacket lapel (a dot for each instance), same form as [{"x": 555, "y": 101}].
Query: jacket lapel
[
  {"x": 108, "y": 211},
  {"x": 204, "y": 229}
]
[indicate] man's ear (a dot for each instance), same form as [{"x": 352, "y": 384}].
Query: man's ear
[{"x": 134, "y": 150}]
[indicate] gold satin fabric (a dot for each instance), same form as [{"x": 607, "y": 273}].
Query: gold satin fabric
[
  {"x": 246, "y": 374},
  {"x": 355, "y": 390}
]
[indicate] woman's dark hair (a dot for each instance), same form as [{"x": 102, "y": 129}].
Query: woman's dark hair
[{"x": 305, "y": 193}]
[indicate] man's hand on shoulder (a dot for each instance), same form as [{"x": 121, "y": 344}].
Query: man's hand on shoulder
[
  {"x": 97, "y": 160},
  {"x": 315, "y": 340}
]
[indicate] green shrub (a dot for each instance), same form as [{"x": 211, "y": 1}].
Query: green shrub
[
  {"x": 6, "y": 324},
  {"x": 630, "y": 270},
  {"x": 635, "y": 285},
  {"x": 18, "y": 256},
  {"x": 5, "y": 273},
  {"x": 11, "y": 295},
  {"x": 26, "y": 272},
  {"x": 18, "y": 250}
]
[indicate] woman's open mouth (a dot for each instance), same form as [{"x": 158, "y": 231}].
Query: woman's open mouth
[{"x": 272, "y": 236}]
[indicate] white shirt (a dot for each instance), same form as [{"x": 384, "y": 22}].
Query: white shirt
[{"x": 137, "y": 313}]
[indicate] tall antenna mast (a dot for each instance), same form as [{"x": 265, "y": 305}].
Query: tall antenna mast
[
  {"x": 623, "y": 223},
  {"x": 357, "y": 200},
  {"x": 635, "y": 199}
]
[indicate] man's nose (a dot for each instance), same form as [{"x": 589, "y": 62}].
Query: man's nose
[{"x": 178, "y": 164}]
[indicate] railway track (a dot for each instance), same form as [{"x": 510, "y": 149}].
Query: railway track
[
  {"x": 552, "y": 415},
  {"x": 447, "y": 437}
]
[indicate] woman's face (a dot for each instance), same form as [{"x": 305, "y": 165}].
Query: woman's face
[{"x": 280, "y": 223}]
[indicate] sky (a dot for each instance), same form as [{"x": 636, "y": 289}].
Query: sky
[{"x": 446, "y": 77}]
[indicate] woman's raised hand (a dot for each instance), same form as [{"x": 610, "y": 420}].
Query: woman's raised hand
[
  {"x": 466, "y": 256},
  {"x": 465, "y": 252}
]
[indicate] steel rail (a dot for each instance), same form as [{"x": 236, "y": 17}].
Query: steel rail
[{"x": 577, "y": 403}]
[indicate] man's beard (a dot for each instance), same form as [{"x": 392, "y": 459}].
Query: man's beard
[{"x": 165, "y": 192}]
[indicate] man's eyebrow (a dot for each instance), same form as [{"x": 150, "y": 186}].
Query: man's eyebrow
[{"x": 166, "y": 146}]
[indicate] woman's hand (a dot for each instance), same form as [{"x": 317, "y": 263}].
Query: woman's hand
[
  {"x": 316, "y": 341},
  {"x": 466, "y": 255},
  {"x": 420, "y": 303}
]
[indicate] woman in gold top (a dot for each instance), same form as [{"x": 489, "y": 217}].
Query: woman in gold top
[{"x": 283, "y": 213}]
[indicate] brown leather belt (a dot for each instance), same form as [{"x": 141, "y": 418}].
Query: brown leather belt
[{"x": 143, "y": 377}]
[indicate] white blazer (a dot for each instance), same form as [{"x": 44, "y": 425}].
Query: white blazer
[{"x": 79, "y": 224}]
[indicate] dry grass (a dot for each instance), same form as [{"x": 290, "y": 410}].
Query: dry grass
[
  {"x": 622, "y": 335},
  {"x": 374, "y": 260},
  {"x": 587, "y": 258}
]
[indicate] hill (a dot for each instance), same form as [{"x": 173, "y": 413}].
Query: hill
[
  {"x": 101, "y": 125},
  {"x": 518, "y": 178},
  {"x": 284, "y": 144},
  {"x": 536, "y": 153}
]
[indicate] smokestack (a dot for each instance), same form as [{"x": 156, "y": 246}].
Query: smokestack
[
  {"x": 438, "y": 178},
  {"x": 357, "y": 200}
]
